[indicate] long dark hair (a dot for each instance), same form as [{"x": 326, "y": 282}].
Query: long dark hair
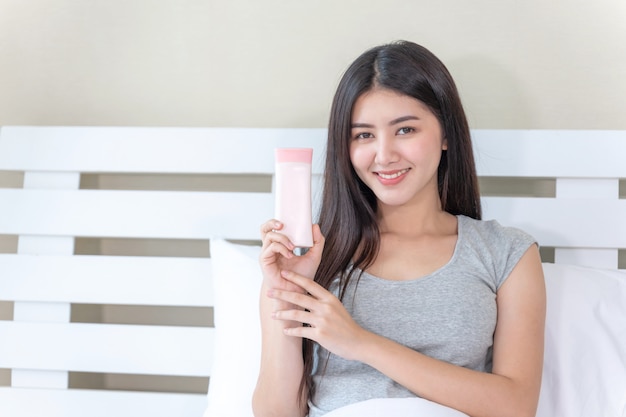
[{"x": 348, "y": 216}]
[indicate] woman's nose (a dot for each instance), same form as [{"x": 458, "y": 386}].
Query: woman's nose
[{"x": 385, "y": 151}]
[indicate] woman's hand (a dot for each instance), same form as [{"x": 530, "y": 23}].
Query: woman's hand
[
  {"x": 277, "y": 255},
  {"x": 282, "y": 366},
  {"x": 329, "y": 323}
]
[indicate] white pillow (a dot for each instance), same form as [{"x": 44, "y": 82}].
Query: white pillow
[
  {"x": 584, "y": 370},
  {"x": 237, "y": 352}
]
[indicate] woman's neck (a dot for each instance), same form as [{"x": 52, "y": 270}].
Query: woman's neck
[{"x": 413, "y": 219}]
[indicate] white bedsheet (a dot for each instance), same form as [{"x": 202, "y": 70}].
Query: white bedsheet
[{"x": 396, "y": 407}]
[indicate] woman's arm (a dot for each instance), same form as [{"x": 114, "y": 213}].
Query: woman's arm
[
  {"x": 512, "y": 389},
  {"x": 277, "y": 392}
]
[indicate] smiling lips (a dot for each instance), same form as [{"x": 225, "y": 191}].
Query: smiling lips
[{"x": 391, "y": 177}]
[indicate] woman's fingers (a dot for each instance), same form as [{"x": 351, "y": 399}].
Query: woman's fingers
[
  {"x": 275, "y": 242},
  {"x": 270, "y": 235},
  {"x": 329, "y": 323},
  {"x": 312, "y": 299},
  {"x": 302, "y": 316},
  {"x": 296, "y": 298},
  {"x": 270, "y": 225},
  {"x": 307, "y": 284}
]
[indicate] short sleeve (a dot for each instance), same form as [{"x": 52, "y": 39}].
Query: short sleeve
[
  {"x": 511, "y": 245},
  {"x": 494, "y": 249}
]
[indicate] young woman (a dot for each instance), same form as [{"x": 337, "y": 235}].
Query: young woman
[{"x": 406, "y": 291}]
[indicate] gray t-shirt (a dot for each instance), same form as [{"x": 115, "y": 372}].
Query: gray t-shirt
[{"x": 449, "y": 314}]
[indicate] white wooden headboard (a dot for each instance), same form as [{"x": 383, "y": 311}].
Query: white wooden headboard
[{"x": 585, "y": 222}]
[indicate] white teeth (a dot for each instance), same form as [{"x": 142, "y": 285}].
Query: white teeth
[{"x": 394, "y": 175}]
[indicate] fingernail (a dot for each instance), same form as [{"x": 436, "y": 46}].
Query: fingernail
[{"x": 284, "y": 273}]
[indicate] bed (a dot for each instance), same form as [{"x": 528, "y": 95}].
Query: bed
[{"x": 564, "y": 187}]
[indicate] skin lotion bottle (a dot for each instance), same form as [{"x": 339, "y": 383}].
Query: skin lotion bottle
[{"x": 293, "y": 194}]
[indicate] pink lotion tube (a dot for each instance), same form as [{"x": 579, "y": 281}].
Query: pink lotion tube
[{"x": 293, "y": 194}]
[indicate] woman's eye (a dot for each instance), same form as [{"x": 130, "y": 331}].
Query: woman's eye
[
  {"x": 363, "y": 135},
  {"x": 405, "y": 130}
]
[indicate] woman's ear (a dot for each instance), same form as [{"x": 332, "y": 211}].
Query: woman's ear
[{"x": 444, "y": 145}]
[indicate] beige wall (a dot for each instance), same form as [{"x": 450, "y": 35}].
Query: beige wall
[{"x": 532, "y": 64}]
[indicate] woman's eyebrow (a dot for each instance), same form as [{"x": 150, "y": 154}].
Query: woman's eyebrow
[
  {"x": 361, "y": 125},
  {"x": 402, "y": 119},
  {"x": 391, "y": 123}
]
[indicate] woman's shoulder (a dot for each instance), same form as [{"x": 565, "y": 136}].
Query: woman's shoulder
[
  {"x": 496, "y": 247},
  {"x": 491, "y": 231}
]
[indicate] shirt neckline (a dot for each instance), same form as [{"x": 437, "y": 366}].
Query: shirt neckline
[{"x": 460, "y": 235}]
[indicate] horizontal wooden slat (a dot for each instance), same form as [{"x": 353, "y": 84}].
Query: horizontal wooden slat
[
  {"x": 147, "y": 214},
  {"x": 550, "y": 153},
  {"x": 566, "y": 222},
  {"x": 526, "y": 153},
  {"x": 157, "y": 281},
  {"x": 21, "y": 402},
  {"x": 148, "y": 149},
  {"x": 107, "y": 348}
]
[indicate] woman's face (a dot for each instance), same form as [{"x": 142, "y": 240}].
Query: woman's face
[{"x": 395, "y": 147}]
